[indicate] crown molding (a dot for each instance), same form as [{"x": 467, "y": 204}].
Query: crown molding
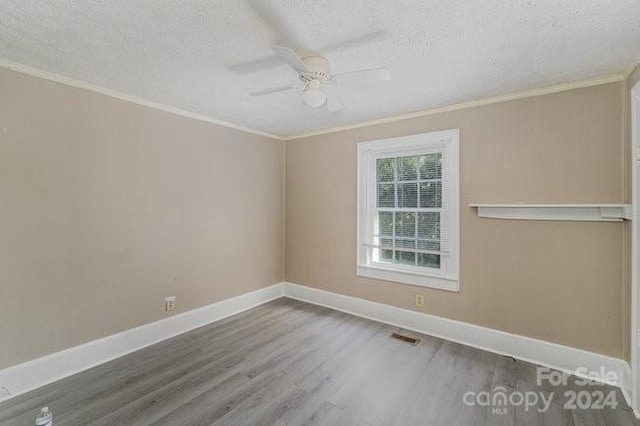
[
  {"x": 613, "y": 78},
  {"x": 46, "y": 75},
  {"x": 630, "y": 69}
]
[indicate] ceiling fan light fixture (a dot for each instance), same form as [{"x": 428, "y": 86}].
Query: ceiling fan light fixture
[
  {"x": 314, "y": 74},
  {"x": 314, "y": 96}
]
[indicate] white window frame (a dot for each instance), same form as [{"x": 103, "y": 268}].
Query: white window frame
[{"x": 446, "y": 278}]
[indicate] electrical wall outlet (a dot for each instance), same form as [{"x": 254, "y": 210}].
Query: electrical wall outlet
[
  {"x": 170, "y": 303},
  {"x": 418, "y": 300}
]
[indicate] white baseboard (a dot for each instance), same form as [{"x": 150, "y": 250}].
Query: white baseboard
[
  {"x": 626, "y": 387},
  {"x": 33, "y": 374},
  {"x": 540, "y": 352}
]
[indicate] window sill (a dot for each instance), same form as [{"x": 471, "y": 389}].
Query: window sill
[{"x": 405, "y": 277}]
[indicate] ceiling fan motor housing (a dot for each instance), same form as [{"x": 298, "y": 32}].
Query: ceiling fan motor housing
[
  {"x": 314, "y": 73},
  {"x": 320, "y": 70}
]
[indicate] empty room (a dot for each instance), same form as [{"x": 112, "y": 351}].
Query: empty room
[{"x": 369, "y": 212}]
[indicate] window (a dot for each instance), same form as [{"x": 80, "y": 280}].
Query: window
[{"x": 408, "y": 209}]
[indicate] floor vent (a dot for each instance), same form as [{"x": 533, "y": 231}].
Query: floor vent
[{"x": 411, "y": 340}]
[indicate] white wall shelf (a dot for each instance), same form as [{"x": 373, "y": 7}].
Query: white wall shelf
[{"x": 565, "y": 212}]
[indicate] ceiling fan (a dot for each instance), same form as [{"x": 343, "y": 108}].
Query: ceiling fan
[{"x": 316, "y": 79}]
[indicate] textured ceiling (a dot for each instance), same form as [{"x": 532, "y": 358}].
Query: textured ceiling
[{"x": 207, "y": 56}]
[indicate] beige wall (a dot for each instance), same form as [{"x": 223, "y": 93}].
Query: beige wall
[
  {"x": 556, "y": 281},
  {"x": 106, "y": 207}
]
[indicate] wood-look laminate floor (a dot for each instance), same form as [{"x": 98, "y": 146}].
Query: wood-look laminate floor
[{"x": 291, "y": 363}]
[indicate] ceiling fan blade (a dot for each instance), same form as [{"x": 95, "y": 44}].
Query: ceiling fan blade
[
  {"x": 364, "y": 39},
  {"x": 256, "y": 65},
  {"x": 363, "y": 76},
  {"x": 292, "y": 58},
  {"x": 270, "y": 13},
  {"x": 333, "y": 103},
  {"x": 274, "y": 90}
]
